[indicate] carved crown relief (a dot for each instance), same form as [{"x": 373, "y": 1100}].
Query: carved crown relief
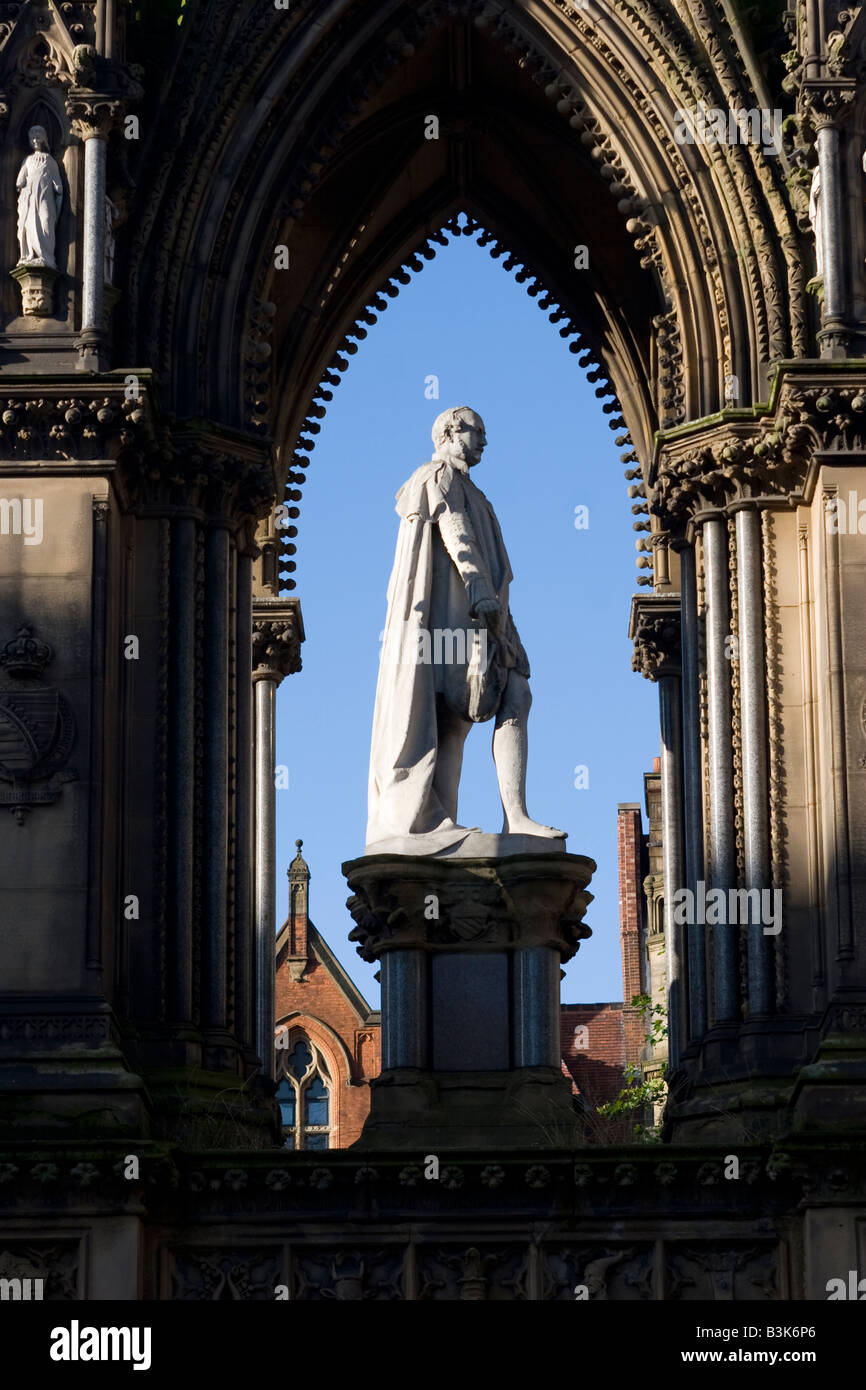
[{"x": 37, "y": 727}]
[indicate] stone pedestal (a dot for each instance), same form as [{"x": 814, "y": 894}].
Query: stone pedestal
[
  {"x": 36, "y": 283},
  {"x": 471, "y": 950}
]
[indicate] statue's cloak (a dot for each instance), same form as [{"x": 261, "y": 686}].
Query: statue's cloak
[
  {"x": 450, "y": 555},
  {"x": 39, "y": 190}
]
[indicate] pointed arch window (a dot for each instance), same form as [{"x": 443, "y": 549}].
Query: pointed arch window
[{"x": 304, "y": 1096}]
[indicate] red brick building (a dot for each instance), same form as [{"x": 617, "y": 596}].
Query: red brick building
[
  {"x": 641, "y": 916},
  {"x": 328, "y": 1037},
  {"x": 593, "y": 1050}
]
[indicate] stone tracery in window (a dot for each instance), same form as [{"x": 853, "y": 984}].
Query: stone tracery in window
[{"x": 304, "y": 1095}]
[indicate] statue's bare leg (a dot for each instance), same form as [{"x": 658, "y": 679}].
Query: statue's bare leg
[
  {"x": 509, "y": 755},
  {"x": 452, "y": 731}
]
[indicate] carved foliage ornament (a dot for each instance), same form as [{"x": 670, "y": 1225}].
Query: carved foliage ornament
[
  {"x": 71, "y": 427},
  {"x": 773, "y": 459},
  {"x": 456, "y": 907},
  {"x": 276, "y": 646},
  {"x": 657, "y": 645}
]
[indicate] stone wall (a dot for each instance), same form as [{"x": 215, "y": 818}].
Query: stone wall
[{"x": 646, "y": 1223}]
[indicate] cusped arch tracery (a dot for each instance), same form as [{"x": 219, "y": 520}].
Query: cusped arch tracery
[
  {"x": 312, "y": 405},
  {"x": 329, "y": 112}
]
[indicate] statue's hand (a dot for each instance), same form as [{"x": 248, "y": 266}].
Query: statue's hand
[{"x": 488, "y": 609}]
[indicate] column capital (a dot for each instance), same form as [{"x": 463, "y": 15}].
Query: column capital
[
  {"x": 698, "y": 518},
  {"x": 727, "y": 464},
  {"x": 278, "y": 631},
  {"x": 719, "y": 462},
  {"x": 93, "y": 115},
  {"x": 226, "y": 478},
  {"x": 828, "y": 102},
  {"x": 507, "y": 904}
]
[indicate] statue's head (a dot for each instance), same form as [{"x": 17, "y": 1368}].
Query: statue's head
[
  {"x": 38, "y": 137},
  {"x": 459, "y": 434}
]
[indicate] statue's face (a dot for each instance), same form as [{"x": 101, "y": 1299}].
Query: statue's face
[
  {"x": 468, "y": 439},
  {"x": 38, "y": 138}
]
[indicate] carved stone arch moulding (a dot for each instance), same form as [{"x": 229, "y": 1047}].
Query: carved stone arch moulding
[
  {"x": 311, "y": 164},
  {"x": 743, "y": 198}
]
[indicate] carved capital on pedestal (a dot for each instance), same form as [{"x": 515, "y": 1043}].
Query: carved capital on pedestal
[
  {"x": 655, "y": 631},
  {"x": 92, "y": 115},
  {"x": 278, "y": 631},
  {"x": 36, "y": 283},
  {"x": 403, "y": 901}
]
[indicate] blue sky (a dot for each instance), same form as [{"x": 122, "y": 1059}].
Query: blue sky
[{"x": 550, "y": 449}]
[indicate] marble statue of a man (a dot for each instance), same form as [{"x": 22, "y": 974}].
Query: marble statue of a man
[
  {"x": 40, "y": 196},
  {"x": 451, "y": 657}
]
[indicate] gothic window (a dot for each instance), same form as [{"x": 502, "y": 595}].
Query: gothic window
[{"x": 304, "y": 1097}]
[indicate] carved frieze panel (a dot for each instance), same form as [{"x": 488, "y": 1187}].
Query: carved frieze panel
[
  {"x": 473, "y": 1274},
  {"x": 348, "y": 1275},
  {"x": 211, "y": 1273},
  {"x": 725, "y": 1273},
  {"x": 56, "y": 1262},
  {"x": 597, "y": 1273}
]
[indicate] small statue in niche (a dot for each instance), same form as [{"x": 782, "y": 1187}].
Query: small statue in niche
[{"x": 40, "y": 198}]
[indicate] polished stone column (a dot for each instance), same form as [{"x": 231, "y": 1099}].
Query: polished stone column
[
  {"x": 835, "y": 227},
  {"x": 92, "y": 116},
  {"x": 654, "y": 627},
  {"x": 94, "y": 233},
  {"x": 722, "y": 862},
  {"x": 693, "y": 810},
  {"x": 264, "y": 888},
  {"x": 753, "y": 732},
  {"x": 244, "y": 938},
  {"x": 215, "y": 792},
  {"x": 404, "y": 1009},
  {"x": 670, "y": 715},
  {"x": 536, "y": 1016},
  {"x": 815, "y": 886},
  {"x": 96, "y": 810},
  {"x": 277, "y": 634},
  {"x": 845, "y": 941},
  {"x": 181, "y": 767}
]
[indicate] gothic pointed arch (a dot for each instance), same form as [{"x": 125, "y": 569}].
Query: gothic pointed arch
[{"x": 309, "y": 135}]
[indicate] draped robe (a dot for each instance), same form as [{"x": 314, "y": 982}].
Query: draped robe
[
  {"x": 450, "y": 555},
  {"x": 39, "y": 195}
]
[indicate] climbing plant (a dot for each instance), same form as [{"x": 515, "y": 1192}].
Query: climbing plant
[{"x": 641, "y": 1092}]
